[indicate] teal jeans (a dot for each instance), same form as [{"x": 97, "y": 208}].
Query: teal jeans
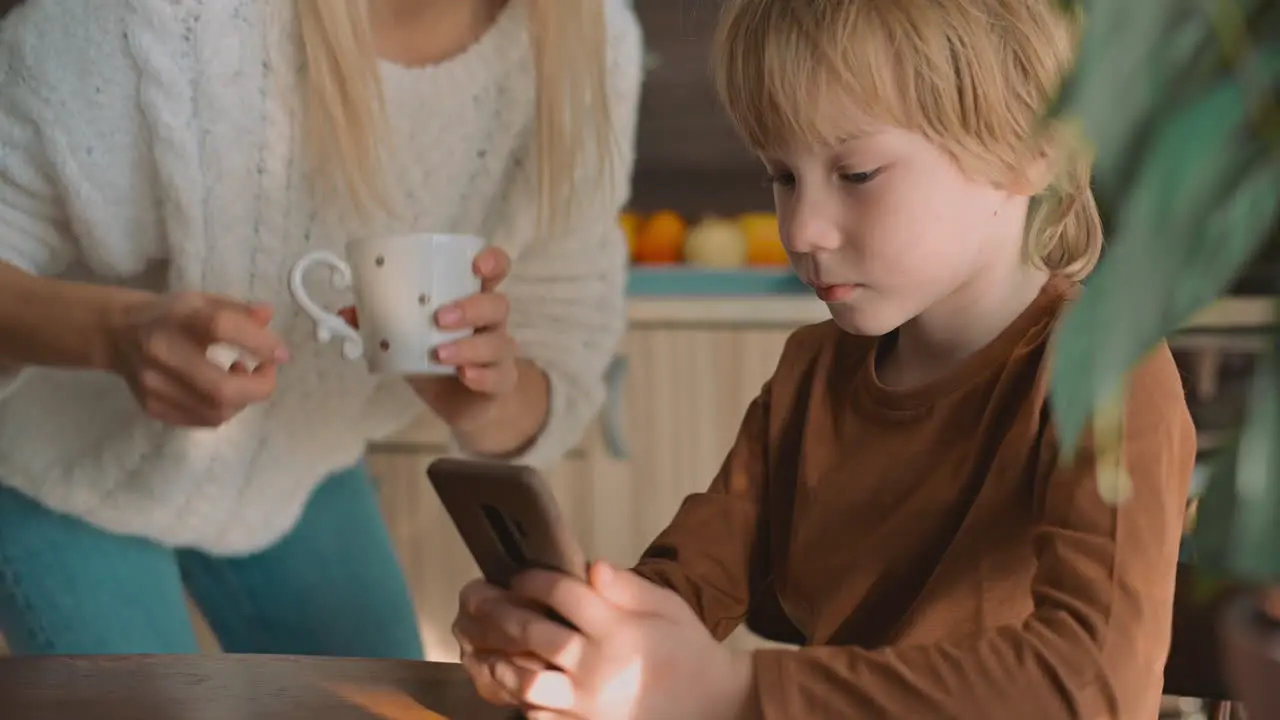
[{"x": 332, "y": 586}]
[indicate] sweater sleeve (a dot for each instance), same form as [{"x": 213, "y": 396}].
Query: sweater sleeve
[
  {"x": 33, "y": 230},
  {"x": 78, "y": 186},
  {"x": 1095, "y": 643},
  {"x": 34, "y": 236},
  {"x": 72, "y": 113},
  {"x": 568, "y": 292}
]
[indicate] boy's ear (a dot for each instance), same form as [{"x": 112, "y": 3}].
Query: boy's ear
[{"x": 1036, "y": 177}]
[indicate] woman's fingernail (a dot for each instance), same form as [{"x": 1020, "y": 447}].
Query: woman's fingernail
[
  {"x": 449, "y": 316},
  {"x": 282, "y": 355},
  {"x": 446, "y": 353}
]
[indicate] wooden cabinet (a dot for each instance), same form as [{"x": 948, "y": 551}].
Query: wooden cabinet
[
  {"x": 685, "y": 393},
  {"x": 680, "y": 392}
]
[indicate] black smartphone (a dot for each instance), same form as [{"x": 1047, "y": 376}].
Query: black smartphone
[{"x": 508, "y": 518}]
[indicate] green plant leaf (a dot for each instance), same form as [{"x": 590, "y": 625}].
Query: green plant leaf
[
  {"x": 1198, "y": 208},
  {"x": 1178, "y": 98},
  {"x": 1237, "y": 533},
  {"x": 1213, "y": 535},
  {"x": 1133, "y": 58}
]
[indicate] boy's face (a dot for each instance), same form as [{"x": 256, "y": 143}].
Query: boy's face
[{"x": 886, "y": 225}]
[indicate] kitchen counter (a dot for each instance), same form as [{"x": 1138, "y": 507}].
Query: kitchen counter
[
  {"x": 1236, "y": 312},
  {"x": 794, "y": 309},
  {"x": 748, "y": 310},
  {"x": 773, "y": 297}
]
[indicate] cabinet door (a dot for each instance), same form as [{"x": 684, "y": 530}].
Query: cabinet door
[
  {"x": 686, "y": 392},
  {"x": 435, "y": 561}
]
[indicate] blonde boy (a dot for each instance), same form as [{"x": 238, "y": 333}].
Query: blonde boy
[{"x": 896, "y": 501}]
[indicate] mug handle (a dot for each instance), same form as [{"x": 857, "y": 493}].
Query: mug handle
[{"x": 328, "y": 324}]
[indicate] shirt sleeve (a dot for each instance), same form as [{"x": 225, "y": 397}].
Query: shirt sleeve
[
  {"x": 568, "y": 292},
  {"x": 1095, "y": 643}
]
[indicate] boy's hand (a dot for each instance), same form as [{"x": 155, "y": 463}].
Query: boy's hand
[
  {"x": 640, "y": 651},
  {"x": 479, "y": 639}
]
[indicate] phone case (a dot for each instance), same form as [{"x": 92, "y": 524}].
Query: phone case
[{"x": 508, "y": 518}]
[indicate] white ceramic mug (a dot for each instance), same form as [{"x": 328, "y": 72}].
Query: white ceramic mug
[{"x": 399, "y": 282}]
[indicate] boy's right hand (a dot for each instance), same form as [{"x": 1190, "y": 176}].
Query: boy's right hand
[{"x": 159, "y": 346}]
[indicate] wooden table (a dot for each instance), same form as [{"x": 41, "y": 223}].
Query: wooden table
[{"x": 236, "y": 687}]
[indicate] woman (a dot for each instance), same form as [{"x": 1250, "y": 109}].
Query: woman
[{"x": 161, "y": 165}]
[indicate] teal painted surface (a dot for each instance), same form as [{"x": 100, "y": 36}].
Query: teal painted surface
[{"x": 700, "y": 282}]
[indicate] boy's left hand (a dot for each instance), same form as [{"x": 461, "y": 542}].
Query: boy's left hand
[{"x": 640, "y": 651}]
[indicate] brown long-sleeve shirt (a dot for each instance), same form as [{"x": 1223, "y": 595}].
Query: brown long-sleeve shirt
[{"x": 929, "y": 547}]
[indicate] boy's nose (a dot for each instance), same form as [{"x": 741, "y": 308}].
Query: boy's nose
[{"x": 808, "y": 233}]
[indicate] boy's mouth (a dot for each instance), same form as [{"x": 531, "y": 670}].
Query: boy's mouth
[{"x": 838, "y": 292}]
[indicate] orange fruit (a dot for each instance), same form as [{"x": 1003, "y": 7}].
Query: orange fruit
[
  {"x": 661, "y": 238},
  {"x": 630, "y": 223},
  {"x": 764, "y": 239}
]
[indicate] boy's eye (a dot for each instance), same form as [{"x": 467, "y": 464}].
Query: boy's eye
[
  {"x": 859, "y": 178},
  {"x": 788, "y": 180},
  {"x": 782, "y": 179}
]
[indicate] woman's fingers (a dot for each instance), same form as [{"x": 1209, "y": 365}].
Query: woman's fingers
[
  {"x": 482, "y": 310},
  {"x": 481, "y": 349},
  {"x": 492, "y": 266},
  {"x": 171, "y": 400}
]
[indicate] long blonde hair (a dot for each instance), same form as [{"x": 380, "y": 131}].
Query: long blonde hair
[
  {"x": 974, "y": 77},
  {"x": 347, "y": 116}
]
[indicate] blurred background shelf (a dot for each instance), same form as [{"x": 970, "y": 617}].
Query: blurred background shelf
[{"x": 683, "y": 281}]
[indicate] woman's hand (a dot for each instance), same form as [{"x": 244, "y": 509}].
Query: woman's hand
[
  {"x": 487, "y": 402},
  {"x": 498, "y": 402},
  {"x": 486, "y": 360},
  {"x": 160, "y": 345}
]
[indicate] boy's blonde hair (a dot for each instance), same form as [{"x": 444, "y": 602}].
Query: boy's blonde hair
[
  {"x": 975, "y": 77},
  {"x": 347, "y": 116}
]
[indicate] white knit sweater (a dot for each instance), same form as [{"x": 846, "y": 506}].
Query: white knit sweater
[{"x": 158, "y": 143}]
